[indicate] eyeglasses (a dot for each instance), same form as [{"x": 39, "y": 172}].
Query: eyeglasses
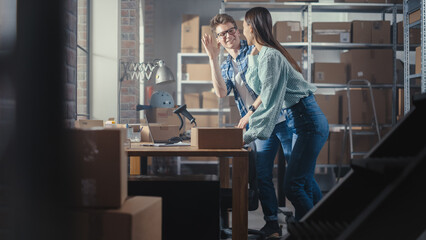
[{"x": 231, "y": 31}]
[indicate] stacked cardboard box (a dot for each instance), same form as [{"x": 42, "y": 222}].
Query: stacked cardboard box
[
  {"x": 287, "y": 31},
  {"x": 329, "y": 73},
  {"x": 329, "y": 105},
  {"x": 98, "y": 186},
  {"x": 339, "y": 32},
  {"x": 371, "y": 32},
  {"x": 190, "y": 33},
  {"x": 196, "y": 72},
  {"x": 374, "y": 65},
  {"x": 192, "y": 100},
  {"x": 414, "y": 34}
]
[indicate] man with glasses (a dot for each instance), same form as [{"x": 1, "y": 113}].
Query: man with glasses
[{"x": 231, "y": 74}]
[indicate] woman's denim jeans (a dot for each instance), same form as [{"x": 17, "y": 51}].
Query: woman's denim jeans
[
  {"x": 310, "y": 127},
  {"x": 301, "y": 136},
  {"x": 266, "y": 151}
]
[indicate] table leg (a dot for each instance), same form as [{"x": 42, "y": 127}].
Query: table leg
[
  {"x": 239, "y": 198},
  {"x": 224, "y": 172}
]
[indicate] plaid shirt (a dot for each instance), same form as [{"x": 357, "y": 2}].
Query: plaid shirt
[{"x": 229, "y": 78}]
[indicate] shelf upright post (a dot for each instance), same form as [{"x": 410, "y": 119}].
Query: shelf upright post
[
  {"x": 179, "y": 79},
  {"x": 423, "y": 39},
  {"x": 406, "y": 59},
  {"x": 310, "y": 57},
  {"x": 395, "y": 76}
]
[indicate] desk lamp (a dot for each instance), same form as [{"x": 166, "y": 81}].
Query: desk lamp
[{"x": 143, "y": 72}]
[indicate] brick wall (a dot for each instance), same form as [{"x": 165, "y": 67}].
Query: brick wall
[
  {"x": 82, "y": 57},
  {"x": 129, "y": 53},
  {"x": 70, "y": 63}
]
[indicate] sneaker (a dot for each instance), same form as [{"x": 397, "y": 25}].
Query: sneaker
[{"x": 272, "y": 230}]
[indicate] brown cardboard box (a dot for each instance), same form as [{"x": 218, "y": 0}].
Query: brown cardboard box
[
  {"x": 361, "y": 31},
  {"x": 192, "y": 100},
  {"x": 246, "y": 0},
  {"x": 190, "y": 33},
  {"x": 374, "y": 65},
  {"x": 380, "y": 32},
  {"x": 210, "y": 100},
  {"x": 288, "y": 31},
  {"x": 164, "y": 116},
  {"x": 86, "y": 123},
  {"x": 98, "y": 166},
  {"x": 240, "y": 29},
  {"x": 331, "y": 153},
  {"x": 371, "y": 32},
  {"x": 362, "y": 108},
  {"x": 329, "y": 105},
  {"x": 329, "y": 73},
  {"x": 214, "y": 138},
  {"x": 159, "y": 132},
  {"x": 205, "y": 29},
  {"x": 205, "y": 121},
  {"x": 414, "y": 34},
  {"x": 415, "y": 16},
  {"x": 418, "y": 60},
  {"x": 197, "y": 72},
  {"x": 331, "y": 32},
  {"x": 139, "y": 218}
]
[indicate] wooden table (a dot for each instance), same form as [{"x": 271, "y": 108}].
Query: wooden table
[{"x": 239, "y": 176}]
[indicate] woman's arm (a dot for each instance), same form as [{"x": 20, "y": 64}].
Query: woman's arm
[{"x": 271, "y": 73}]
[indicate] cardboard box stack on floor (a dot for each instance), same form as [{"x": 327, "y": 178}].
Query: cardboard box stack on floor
[{"x": 98, "y": 175}]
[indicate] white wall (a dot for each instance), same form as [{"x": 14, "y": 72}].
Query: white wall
[{"x": 105, "y": 55}]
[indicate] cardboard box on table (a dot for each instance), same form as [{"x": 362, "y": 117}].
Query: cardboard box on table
[
  {"x": 190, "y": 33},
  {"x": 139, "y": 218},
  {"x": 216, "y": 138},
  {"x": 98, "y": 167}
]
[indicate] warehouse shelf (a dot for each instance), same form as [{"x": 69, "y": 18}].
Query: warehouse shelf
[
  {"x": 207, "y": 110},
  {"x": 410, "y": 6},
  {"x": 316, "y": 7},
  {"x": 194, "y": 82}
]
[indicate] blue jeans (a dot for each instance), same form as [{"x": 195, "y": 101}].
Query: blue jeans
[
  {"x": 266, "y": 151},
  {"x": 310, "y": 128}
]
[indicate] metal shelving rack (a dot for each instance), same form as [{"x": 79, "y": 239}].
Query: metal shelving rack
[
  {"x": 306, "y": 9},
  {"x": 410, "y": 6}
]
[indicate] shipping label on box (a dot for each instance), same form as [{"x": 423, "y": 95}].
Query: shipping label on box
[
  {"x": 190, "y": 33},
  {"x": 217, "y": 138},
  {"x": 98, "y": 167}
]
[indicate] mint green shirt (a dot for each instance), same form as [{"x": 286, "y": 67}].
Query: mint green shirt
[{"x": 279, "y": 86}]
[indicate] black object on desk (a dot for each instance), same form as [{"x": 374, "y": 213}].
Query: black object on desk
[{"x": 190, "y": 204}]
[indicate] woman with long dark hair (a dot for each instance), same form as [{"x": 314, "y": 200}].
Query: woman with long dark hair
[{"x": 274, "y": 75}]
